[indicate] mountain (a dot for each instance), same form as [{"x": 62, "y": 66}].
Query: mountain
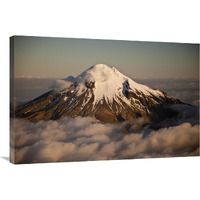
[{"x": 104, "y": 93}]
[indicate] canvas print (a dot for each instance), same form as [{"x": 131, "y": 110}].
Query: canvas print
[{"x": 85, "y": 99}]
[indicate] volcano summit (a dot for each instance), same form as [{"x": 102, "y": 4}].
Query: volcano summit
[{"x": 101, "y": 92}]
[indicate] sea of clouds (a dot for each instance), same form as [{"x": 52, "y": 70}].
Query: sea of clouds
[{"x": 83, "y": 139}]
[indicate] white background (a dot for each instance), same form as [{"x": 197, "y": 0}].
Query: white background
[{"x": 174, "y": 21}]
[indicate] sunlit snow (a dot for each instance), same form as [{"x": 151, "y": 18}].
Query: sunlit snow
[{"x": 109, "y": 84}]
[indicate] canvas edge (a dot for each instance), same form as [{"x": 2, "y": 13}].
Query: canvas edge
[{"x": 12, "y": 100}]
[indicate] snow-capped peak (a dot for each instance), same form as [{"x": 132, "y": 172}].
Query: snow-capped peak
[
  {"x": 107, "y": 82},
  {"x": 98, "y": 73}
]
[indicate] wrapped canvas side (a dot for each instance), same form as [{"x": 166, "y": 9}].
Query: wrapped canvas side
[{"x": 12, "y": 101}]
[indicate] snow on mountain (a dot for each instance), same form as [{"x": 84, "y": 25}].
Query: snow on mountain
[
  {"x": 109, "y": 83},
  {"x": 101, "y": 92}
]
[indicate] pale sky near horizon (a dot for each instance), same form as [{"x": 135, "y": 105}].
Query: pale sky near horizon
[{"x": 62, "y": 57}]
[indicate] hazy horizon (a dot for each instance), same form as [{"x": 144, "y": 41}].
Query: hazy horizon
[{"x": 187, "y": 90}]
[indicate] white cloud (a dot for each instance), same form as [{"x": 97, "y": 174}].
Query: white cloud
[
  {"x": 60, "y": 84},
  {"x": 173, "y": 141},
  {"x": 87, "y": 139}
]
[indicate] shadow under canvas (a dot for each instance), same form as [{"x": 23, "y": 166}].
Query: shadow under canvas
[{"x": 5, "y": 158}]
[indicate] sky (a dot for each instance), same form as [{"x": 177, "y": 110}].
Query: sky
[{"x": 61, "y": 57}]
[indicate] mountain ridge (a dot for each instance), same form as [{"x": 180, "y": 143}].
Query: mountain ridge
[{"x": 104, "y": 93}]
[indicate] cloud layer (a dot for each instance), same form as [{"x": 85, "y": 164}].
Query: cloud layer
[
  {"x": 187, "y": 90},
  {"x": 86, "y": 139},
  {"x": 60, "y": 84}
]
